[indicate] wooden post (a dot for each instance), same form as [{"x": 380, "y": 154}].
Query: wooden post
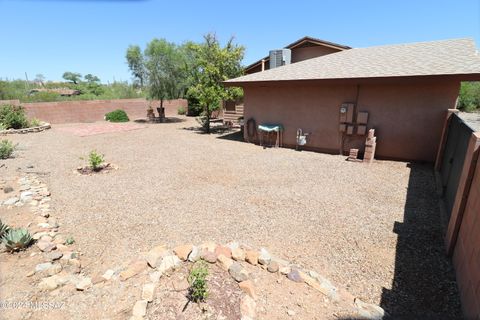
[{"x": 463, "y": 190}]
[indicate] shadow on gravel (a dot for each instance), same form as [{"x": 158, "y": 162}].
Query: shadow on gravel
[
  {"x": 424, "y": 285},
  {"x": 233, "y": 136}
]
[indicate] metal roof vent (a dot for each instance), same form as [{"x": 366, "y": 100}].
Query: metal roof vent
[{"x": 280, "y": 57}]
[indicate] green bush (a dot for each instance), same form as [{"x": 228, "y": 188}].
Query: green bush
[
  {"x": 182, "y": 111},
  {"x": 13, "y": 117},
  {"x": 198, "y": 290},
  {"x": 34, "y": 122},
  {"x": 6, "y": 149},
  {"x": 95, "y": 160},
  {"x": 469, "y": 99},
  {"x": 117, "y": 116}
]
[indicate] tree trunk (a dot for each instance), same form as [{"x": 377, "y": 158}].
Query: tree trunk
[{"x": 208, "y": 115}]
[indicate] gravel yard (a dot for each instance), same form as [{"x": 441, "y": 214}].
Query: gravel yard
[{"x": 365, "y": 227}]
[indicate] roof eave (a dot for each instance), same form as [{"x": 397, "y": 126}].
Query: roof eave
[{"x": 386, "y": 79}]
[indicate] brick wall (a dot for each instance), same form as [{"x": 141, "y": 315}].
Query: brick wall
[
  {"x": 94, "y": 110},
  {"x": 466, "y": 255}
]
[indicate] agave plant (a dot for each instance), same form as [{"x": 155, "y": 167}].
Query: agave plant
[
  {"x": 17, "y": 239},
  {"x": 3, "y": 229}
]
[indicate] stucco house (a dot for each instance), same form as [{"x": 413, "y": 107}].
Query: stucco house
[{"x": 402, "y": 91}]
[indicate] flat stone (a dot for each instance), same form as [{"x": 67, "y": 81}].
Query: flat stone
[
  {"x": 108, "y": 274},
  {"x": 194, "y": 255},
  {"x": 155, "y": 276},
  {"x": 98, "y": 279},
  {"x": 209, "y": 246},
  {"x": 133, "y": 269},
  {"x": 225, "y": 262},
  {"x": 321, "y": 284},
  {"x": 155, "y": 255},
  {"x": 294, "y": 275},
  {"x": 247, "y": 307},
  {"x": 238, "y": 272},
  {"x": 368, "y": 310},
  {"x": 46, "y": 246},
  {"x": 148, "y": 292},
  {"x": 209, "y": 256},
  {"x": 264, "y": 257},
  {"x": 44, "y": 225},
  {"x": 169, "y": 262},
  {"x": 251, "y": 256},
  {"x": 291, "y": 313},
  {"x": 72, "y": 265},
  {"x": 84, "y": 284},
  {"x": 49, "y": 283},
  {"x": 248, "y": 287},
  {"x": 238, "y": 254},
  {"x": 285, "y": 270},
  {"x": 38, "y": 235},
  {"x": 56, "y": 268},
  {"x": 221, "y": 250},
  {"x": 43, "y": 266},
  {"x": 140, "y": 308},
  {"x": 52, "y": 256},
  {"x": 26, "y": 196},
  {"x": 273, "y": 267},
  {"x": 183, "y": 251},
  {"x": 10, "y": 201}
]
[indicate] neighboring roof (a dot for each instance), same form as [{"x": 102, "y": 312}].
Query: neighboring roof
[
  {"x": 445, "y": 57},
  {"x": 300, "y": 42}
]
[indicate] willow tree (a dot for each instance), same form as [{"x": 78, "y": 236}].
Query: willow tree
[{"x": 213, "y": 64}]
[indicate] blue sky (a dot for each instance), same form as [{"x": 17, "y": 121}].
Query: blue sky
[{"x": 91, "y": 36}]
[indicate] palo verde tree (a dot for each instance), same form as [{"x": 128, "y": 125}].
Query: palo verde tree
[
  {"x": 136, "y": 64},
  {"x": 72, "y": 76},
  {"x": 165, "y": 69},
  {"x": 214, "y": 64}
]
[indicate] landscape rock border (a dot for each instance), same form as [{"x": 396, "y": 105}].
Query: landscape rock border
[
  {"x": 160, "y": 260},
  {"x": 40, "y": 128}
]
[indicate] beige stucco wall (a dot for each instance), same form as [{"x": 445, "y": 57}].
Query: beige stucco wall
[{"x": 407, "y": 117}]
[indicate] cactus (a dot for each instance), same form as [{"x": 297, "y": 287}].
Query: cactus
[
  {"x": 17, "y": 239},
  {"x": 3, "y": 229}
]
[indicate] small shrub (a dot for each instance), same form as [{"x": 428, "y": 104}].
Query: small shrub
[
  {"x": 69, "y": 241},
  {"x": 95, "y": 160},
  {"x": 13, "y": 117},
  {"x": 198, "y": 290},
  {"x": 182, "y": 111},
  {"x": 17, "y": 239},
  {"x": 3, "y": 229},
  {"x": 6, "y": 149},
  {"x": 117, "y": 116}
]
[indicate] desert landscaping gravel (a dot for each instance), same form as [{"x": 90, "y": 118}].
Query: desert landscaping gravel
[{"x": 374, "y": 229}]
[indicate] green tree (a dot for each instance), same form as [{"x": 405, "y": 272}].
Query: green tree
[
  {"x": 136, "y": 64},
  {"x": 72, "y": 76},
  {"x": 214, "y": 64},
  {"x": 39, "y": 78},
  {"x": 91, "y": 78},
  {"x": 166, "y": 70}
]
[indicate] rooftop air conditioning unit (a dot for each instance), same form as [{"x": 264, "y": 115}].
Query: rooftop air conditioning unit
[{"x": 280, "y": 57}]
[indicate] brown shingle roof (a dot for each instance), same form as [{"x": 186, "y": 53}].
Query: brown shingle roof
[{"x": 446, "y": 57}]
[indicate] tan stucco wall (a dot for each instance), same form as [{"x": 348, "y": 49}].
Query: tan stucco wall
[
  {"x": 407, "y": 117},
  {"x": 304, "y": 53}
]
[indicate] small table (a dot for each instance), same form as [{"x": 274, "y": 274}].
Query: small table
[{"x": 269, "y": 128}]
